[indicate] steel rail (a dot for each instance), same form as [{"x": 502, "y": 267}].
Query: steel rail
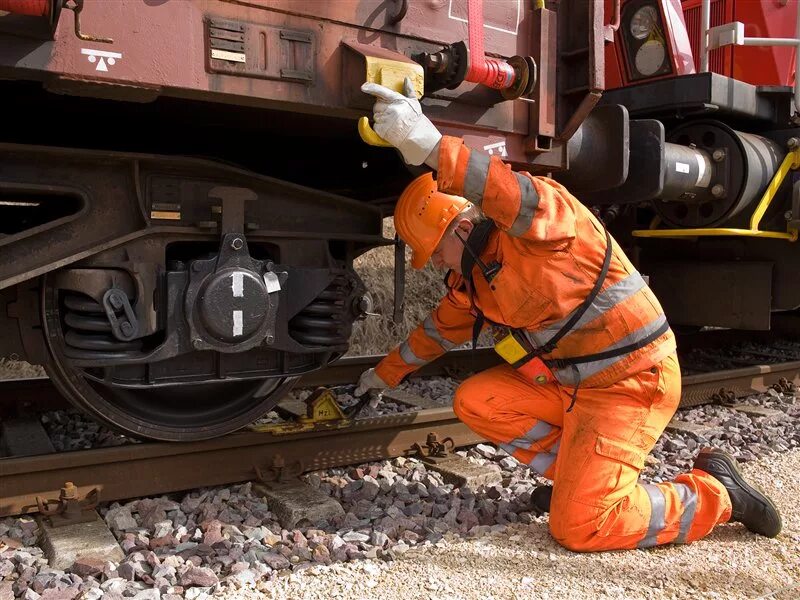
[
  {"x": 157, "y": 468},
  {"x": 701, "y": 388}
]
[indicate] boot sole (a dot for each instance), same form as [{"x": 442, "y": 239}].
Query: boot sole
[{"x": 752, "y": 489}]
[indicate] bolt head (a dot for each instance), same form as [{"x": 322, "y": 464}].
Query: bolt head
[
  {"x": 197, "y": 343},
  {"x": 787, "y": 215},
  {"x": 793, "y": 143},
  {"x": 718, "y": 191},
  {"x": 718, "y": 155},
  {"x": 237, "y": 243}
]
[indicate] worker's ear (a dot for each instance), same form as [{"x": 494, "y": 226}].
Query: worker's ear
[{"x": 465, "y": 227}]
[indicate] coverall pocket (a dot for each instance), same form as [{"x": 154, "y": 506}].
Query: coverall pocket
[
  {"x": 610, "y": 473},
  {"x": 518, "y": 301},
  {"x": 624, "y": 452}
]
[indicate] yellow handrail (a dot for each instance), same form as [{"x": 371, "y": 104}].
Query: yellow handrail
[{"x": 790, "y": 162}]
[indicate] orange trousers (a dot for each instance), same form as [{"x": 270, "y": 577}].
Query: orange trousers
[{"x": 594, "y": 454}]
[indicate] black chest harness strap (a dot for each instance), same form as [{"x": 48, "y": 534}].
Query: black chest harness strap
[{"x": 475, "y": 244}]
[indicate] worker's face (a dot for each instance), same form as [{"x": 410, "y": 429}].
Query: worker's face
[{"x": 448, "y": 253}]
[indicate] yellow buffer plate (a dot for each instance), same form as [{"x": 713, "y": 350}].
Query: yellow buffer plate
[{"x": 392, "y": 74}]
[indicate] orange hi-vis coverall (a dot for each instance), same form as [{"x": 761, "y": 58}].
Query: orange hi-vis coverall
[{"x": 589, "y": 429}]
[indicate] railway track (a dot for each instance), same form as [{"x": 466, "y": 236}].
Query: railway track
[{"x": 155, "y": 468}]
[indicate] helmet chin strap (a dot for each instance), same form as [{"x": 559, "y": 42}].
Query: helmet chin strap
[{"x": 473, "y": 245}]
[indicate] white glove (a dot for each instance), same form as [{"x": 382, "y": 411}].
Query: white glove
[
  {"x": 369, "y": 380},
  {"x": 399, "y": 121}
]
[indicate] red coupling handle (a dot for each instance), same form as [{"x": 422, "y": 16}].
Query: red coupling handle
[{"x": 491, "y": 72}]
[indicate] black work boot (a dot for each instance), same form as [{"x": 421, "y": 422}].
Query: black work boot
[
  {"x": 751, "y": 507},
  {"x": 540, "y": 498}
]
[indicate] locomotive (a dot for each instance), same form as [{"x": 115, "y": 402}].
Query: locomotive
[{"x": 184, "y": 188}]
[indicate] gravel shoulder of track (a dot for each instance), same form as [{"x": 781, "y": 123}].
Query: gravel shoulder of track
[{"x": 525, "y": 562}]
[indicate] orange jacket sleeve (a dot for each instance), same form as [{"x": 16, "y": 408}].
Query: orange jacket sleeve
[
  {"x": 449, "y": 325},
  {"x": 524, "y": 206}
]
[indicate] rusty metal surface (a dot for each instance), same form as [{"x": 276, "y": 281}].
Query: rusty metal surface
[
  {"x": 120, "y": 192},
  {"x": 543, "y": 111},
  {"x": 286, "y": 55},
  {"x": 147, "y": 469}
]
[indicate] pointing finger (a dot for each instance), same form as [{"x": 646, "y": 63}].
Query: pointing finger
[
  {"x": 408, "y": 88},
  {"x": 381, "y": 92}
]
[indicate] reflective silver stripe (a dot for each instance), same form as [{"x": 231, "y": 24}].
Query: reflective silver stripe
[
  {"x": 567, "y": 375},
  {"x": 537, "y": 432},
  {"x": 542, "y": 461},
  {"x": 407, "y": 354},
  {"x": 430, "y": 330},
  {"x": 556, "y": 446},
  {"x": 528, "y": 201},
  {"x": 508, "y": 448},
  {"x": 657, "y": 512},
  {"x": 689, "y": 501},
  {"x": 476, "y": 175},
  {"x": 605, "y": 301}
]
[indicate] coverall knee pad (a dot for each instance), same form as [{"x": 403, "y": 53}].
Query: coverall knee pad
[
  {"x": 460, "y": 403},
  {"x": 465, "y": 397},
  {"x": 573, "y": 525}
]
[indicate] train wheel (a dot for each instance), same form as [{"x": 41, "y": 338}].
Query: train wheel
[{"x": 182, "y": 412}]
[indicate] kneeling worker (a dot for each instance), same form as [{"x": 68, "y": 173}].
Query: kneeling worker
[{"x": 592, "y": 377}]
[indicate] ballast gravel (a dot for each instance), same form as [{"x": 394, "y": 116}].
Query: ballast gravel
[
  {"x": 70, "y": 430},
  {"x": 406, "y": 533},
  {"x": 745, "y": 436},
  {"x": 522, "y": 561},
  {"x": 514, "y": 560}
]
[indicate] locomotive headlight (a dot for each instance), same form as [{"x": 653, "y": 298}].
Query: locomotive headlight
[
  {"x": 645, "y": 40},
  {"x": 643, "y": 22},
  {"x": 650, "y": 57}
]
